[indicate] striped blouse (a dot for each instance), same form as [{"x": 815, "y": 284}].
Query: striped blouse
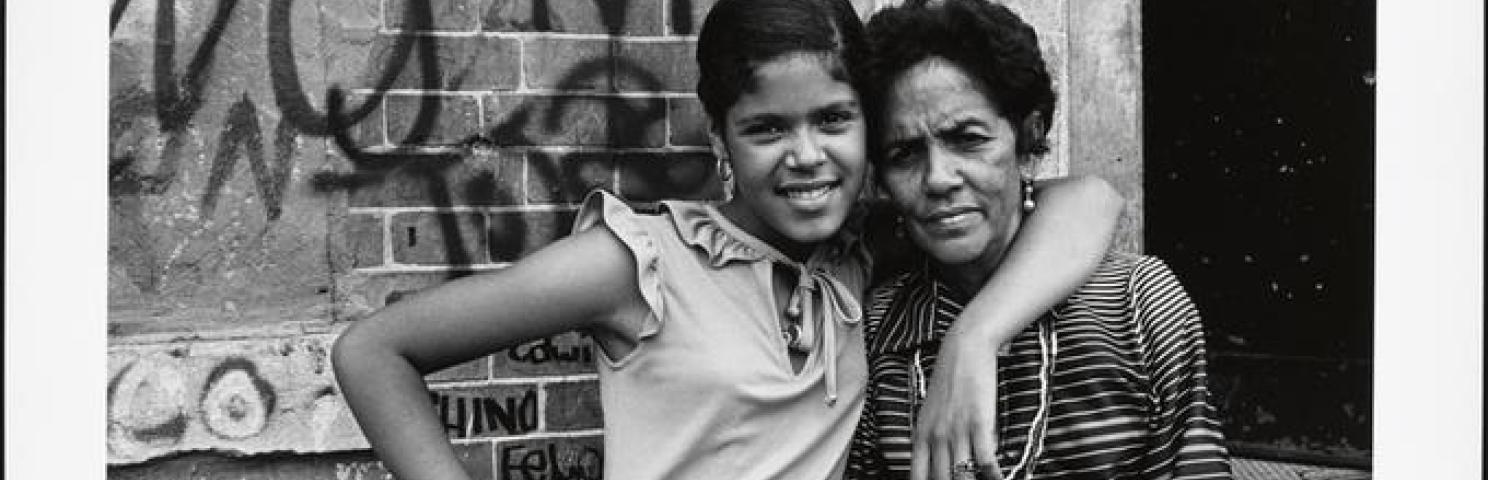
[{"x": 1110, "y": 384}]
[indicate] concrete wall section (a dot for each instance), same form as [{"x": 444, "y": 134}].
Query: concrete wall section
[
  {"x": 276, "y": 394},
  {"x": 1104, "y": 96}
]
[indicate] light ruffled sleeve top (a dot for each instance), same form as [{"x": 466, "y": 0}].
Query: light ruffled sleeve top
[{"x": 710, "y": 391}]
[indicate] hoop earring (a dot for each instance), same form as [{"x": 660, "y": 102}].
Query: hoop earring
[
  {"x": 725, "y": 172},
  {"x": 726, "y": 177},
  {"x": 1028, "y": 203}
]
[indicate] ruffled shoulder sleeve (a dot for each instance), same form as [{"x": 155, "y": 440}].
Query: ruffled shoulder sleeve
[
  {"x": 698, "y": 227},
  {"x": 601, "y": 207}
]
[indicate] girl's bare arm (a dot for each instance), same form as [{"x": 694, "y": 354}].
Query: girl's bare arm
[{"x": 585, "y": 281}]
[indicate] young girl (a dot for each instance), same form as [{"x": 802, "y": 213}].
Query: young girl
[{"x": 730, "y": 335}]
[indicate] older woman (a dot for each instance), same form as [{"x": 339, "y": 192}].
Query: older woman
[{"x": 1111, "y": 383}]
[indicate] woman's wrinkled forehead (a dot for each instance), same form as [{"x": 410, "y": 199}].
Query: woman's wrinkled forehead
[{"x": 930, "y": 79}]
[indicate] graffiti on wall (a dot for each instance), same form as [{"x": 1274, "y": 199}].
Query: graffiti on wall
[
  {"x": 254, "y": 396},
  {"x": 230, "y": 85},
  {"x": 178, "y": 95},
  {"x": 487, "y": 413},
  {"x": 241, "y": 396},
  {"x": 570, "y": 459}
]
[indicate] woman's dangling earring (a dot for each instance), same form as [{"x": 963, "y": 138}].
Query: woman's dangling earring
[
  {"x": 899, "y": 231},
  {"x": 726, "y": 176},
  {"x": 1028, "y": 203}
]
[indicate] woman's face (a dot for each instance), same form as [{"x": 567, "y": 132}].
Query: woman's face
[
  {"x": 950, "y": 165},
  {"x": 796, "y": 144}
]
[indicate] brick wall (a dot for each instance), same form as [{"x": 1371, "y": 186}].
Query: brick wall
[{"x": 282, "y": 168}]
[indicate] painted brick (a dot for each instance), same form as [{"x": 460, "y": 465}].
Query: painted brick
[
  {"x": 566, "y": 178},
  {"x": 687, "y": 16},
  {"x": 364, "y": 240},
  {"x": 688, "y": 122},
  {"x": 454, "y": 119},
  {"x": 350, "y": 48},
  {"x": 568, "y": 64},
  {"x": 563, "y": 354},
  {"x": 442, "y": 15},
  {"x": 482, "y": 178},
  {"x": 573, "y": 406},
  {"x": 426, "y": 238},
  {"x": 574, "y": 120},
  {"x": 479, "y": 369},
  {"x": 514, "y": 235},
  {"x": 478, "y": 459},
  {"x": 368, "y": 131},
  {"x": 463, "y": 63},
  {"x": 367, "y": 292},
  {"x": 652, "y": 177},
  {"x": 630, "y": 17},
  {"x": 551, "y": 458},
  {"x": 487, "y": 411},
  {"x": 657, "y": 66}
]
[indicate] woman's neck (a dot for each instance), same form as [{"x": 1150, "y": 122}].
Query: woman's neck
[
  {"x": 968, "y": 278},
  {"x": 965, "y": 279}
]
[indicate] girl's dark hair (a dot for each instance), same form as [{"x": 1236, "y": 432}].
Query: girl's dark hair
[
  {"x": 739, "y": 35},
  {"x": 990, "y": 43}
]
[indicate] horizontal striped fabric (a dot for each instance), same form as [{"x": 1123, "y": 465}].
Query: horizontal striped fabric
[{"x": 1125, "y": 393}]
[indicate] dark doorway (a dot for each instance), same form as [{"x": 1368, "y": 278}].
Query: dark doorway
[{"x": 1259, "y": 192}]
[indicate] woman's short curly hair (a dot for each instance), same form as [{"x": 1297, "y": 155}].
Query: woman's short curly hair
[{"x": 991, "y": 43}]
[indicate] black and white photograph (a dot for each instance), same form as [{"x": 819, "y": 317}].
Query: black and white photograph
[{"x": 744, "y": 239}]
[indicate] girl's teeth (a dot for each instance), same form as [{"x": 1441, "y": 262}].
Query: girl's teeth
[
  {"x": 805, "y": 194},
  {"x": 952, "y": 219}
]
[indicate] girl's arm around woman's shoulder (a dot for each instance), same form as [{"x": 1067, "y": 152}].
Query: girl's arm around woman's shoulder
[{"x": 586, "y": 281}]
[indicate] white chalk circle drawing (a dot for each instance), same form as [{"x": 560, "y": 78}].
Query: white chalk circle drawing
[
  {"x": 146, "y": 406},
  {"x": 236, "y": 403}
]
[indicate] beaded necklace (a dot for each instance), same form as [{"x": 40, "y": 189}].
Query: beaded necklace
[{"x": 1034, "y": 445}]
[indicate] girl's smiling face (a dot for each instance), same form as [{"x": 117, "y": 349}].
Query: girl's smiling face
[{"x": 796, "y": 144}]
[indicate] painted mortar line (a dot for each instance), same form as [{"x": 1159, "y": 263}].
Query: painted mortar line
[
  {"x": 538, "y": 208},
  {"x": 523, "y": 91},
  {"x": 590, "y": 432},
  {"x": 382, "y": 118},
  {"x": 526, "y": 177},
  {"x": 521, "y": 64},
  {"x": 480, "y": 108},
  {"x": 387, "y": 236},
  {"x": 666, "y": 17},
  {"x": 417, "y": 92},
  {"x": 561, "y": 149},
  {"x": 666, "y": 120},
  {"x": 294, "y": 330},
  {"x": 535, "y": 35},
  {"x": 397, "y": 268},
  {"x": 542, "y": 403},
  {"x": 537, "y": 380},
  {"x": 550, "y": 92}
]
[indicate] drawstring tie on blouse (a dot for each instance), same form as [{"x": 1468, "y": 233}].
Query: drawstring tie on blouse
[{"x": 818, "y": 290}]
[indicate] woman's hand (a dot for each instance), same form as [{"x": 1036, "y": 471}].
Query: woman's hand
[
  {"x": 958, "y": 421},
  {"x": 1057, "y": 247}
]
